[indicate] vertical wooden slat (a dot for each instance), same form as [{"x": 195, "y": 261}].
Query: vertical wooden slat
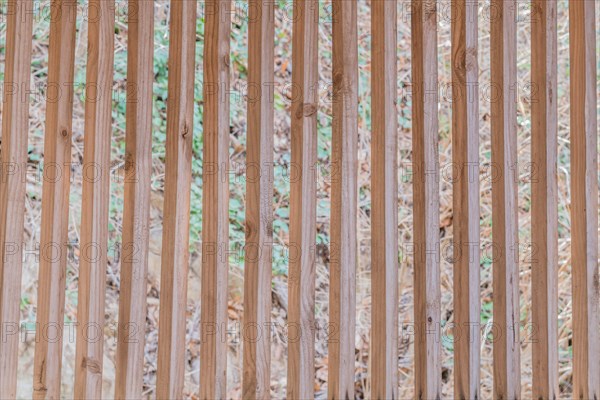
[
  {"x": 259, "y": 202},
  {"x": 426, "y": 201},
  {"x": 303, "y": 201},
  {"x": 344, "y": 196},
  {"x": 504, "y": 200},
  {"x": 544, "y": 203},
  {"x": 178, "y": 176},
  {"x": 384, "y": 202},
  {"x": 215, "y": 201},
  {"x": 136, "y": 210},
  {"x": 95, "y": 200},
  {"x": 15, "y": 129},
  {"x": 584, "y": 201},
  {"x": 465, "y": 157},
  {"x": 55, "y": 202}
]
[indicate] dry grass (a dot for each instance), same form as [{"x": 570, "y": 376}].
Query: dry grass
[{"x": 282, "y": 147}]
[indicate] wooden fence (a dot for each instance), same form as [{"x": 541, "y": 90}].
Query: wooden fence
[{"x": 259, "y": 211}]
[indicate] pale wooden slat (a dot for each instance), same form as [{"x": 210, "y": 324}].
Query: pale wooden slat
[
  {"x": 504, "y": 200},
  {"x": 15, "y": 129},
  {"x": 178, "y": 176},
  {"x": 259, "y": 202},
  {"x": 426, "y": 201},
  {"x": 465, "y": 157},
  {"x": 384, "y": 202},
  {"x": 544, "y": 200},
  {"x": 215, "y": 201},
  {"x": 95, "y": 201},
  {"x": 136, "y": 210},
  {"x": 55, "y": 203},
  {"x": 344, "y": 196},
  {"x": 303, "y": 201},
  {"x": 584, "y": 201}
]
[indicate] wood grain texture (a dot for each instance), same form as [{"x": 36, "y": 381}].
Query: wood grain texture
[
  {"x": 178, "y": 175},
  {"x": 584, "y": 201},
  {"x": 15, "y": 129},
  {"x": 95, "y": 201},
  {"x": 303, "y": 201},
  {"x": 55, "y": 203},
  {"x": 136, "y": 210},
  {"x": 544, "y": 199},
  {"x": 259, "y": 202},
  {"x": 504, "y": 201},
  {"x": 384, "y": 202},
  {"x": 426, "y": 203},
  {"x": 465, "y": 157},
  {"x": 215, "y": 201},
  {"x": 344, "y": 202}
]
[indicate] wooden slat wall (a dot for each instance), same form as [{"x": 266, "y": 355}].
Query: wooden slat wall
[
  {"x": 136, "y": 210},
  {"x": 344, "y": 199},
  {"x": 95, "y": 201},
  {"x": 178, "y": 175},
  {"x": 259, "y": 224},
  {"x": 584, "y": 201},
  {"x": 465, "y": 157},
  {"x": 504, "y": 200},
  {"x": 55, "y": 203},
  {"x": 215, "y": 201},
  {"x": 15, "y": 128},
  {"x": 426, "y": 201},
  {"x": 259, "y": 202},
  {"x": 544, "y": 199},
  {"x": 384, "y": 202},
  {"x": 303, "y": 201}
]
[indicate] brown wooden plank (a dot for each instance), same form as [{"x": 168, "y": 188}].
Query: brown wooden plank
[
  {"x": 544, "y": 199},
  {"x": 584, "y": 201},
  {"x": 426, "y": 203},
  {"x": 303, "y": 201},
  {"x": 384, "y": 202},
  {"x": 136, "y": 210},
  {"x": 504, "y": 201},
  {"x": 178, "y": 176},
  {"x": 259, "y": 202},
  {"x": 215, "y": 201},
  {"x": 95, "y": 201},
  {"x": 55, "y": 203},
  {"x": 344, "y": 197},
  {"x": 15, "y": 129},
  {"x": 465, "y": 157}
]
